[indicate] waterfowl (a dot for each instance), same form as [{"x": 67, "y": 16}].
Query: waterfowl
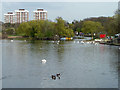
[
  {"x": 43, "y": 61},
  {"x": 58, "y": 74},
  {"x": 96, "y": 43},
  {"x": 93, "y": 42},
  {"x": 53, "y": 77},
  {"x": 88, "y": 42},
  {"x": 59, "y": 77},
  {"x": 82, "y": 42},
  {"x": 11, "y": 40},
  {"x": 77, "y": 41},
  {"x": 53, "y": 41}
]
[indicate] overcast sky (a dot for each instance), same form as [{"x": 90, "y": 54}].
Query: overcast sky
[{"x": 67, "y": 10}]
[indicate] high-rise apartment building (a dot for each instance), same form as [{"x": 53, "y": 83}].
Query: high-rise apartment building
[
  {"x": 21, "y": 15},
  {"x": 9, "y": 17},
  {"x": 40, "y": 14}
]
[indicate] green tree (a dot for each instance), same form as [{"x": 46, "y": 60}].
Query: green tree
[
  {"x": 40, "y": 29},
  {"x": 35, "y": 29},
  {"x": 23, "y": 29},
  {"x": 10, "y": 31},
  {"x": 78, "y": 29},
  {"x": 60, "y": 27},
  {"x": 91, "y": 27}
]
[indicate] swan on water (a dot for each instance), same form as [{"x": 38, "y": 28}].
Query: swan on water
[
  {"x": 93, "y": 42},
  {"x": 52, "y": 41},
  {"x": 11, "y": 40},
  {"x": 96, "y": 43},
  {"x": 77, "y": 41},
  {"x": 88, "y": 42},
  {"x": 82, "y": 42},
  {"x": 43, "y": 61}
]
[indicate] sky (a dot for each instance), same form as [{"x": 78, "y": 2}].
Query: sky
[
  {"x": 69, "y": 11},
  {"x": 59, "y": 0}
]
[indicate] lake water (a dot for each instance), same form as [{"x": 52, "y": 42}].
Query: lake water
[{"x": 80, "y": 65}]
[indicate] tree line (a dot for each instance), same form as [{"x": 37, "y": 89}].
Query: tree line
[
  {"x": 105, "y": 25},
  {"x": 41, "y": 29}
]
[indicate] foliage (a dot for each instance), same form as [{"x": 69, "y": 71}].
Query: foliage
[
  {"x": 10, "y": 31},
  {"x": 91, "y": 27},
  {"x": 23, "y": 29},
  {"x": 40, "y": 29}
]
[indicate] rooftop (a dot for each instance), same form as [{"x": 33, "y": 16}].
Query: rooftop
[
  {"x": 40, "y": 9},
  {"x": 21, "y": 9}
]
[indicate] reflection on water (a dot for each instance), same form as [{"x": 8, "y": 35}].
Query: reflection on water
[{"x": 80, "y": 65}]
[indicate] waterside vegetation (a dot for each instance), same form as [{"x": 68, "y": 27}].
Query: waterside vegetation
[{"x": 46, "y": 29}]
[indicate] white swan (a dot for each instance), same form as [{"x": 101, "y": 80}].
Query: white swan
[
  {"x": 96, "y": 43},
  {"x": 93, "y": 42},
  {"x": 53, "y": 41},
  {"x": 11, "y": 40},
  {"x": 88, "y": 42},
  {"x": 82, "y": 42},
  {"x": 77, "y": 41},
  {"x": 43, "y": 61}
]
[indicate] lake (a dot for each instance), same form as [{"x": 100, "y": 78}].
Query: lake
[{"x": 80, "y": 65}]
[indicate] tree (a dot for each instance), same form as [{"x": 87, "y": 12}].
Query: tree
[
  {"x": 43, "y": 29},
  {"x": 10, "y": 31},
  {"x": 60, "y": 27},
  {"x": 23, "y": 29},
  {"x": 91, "y": 27},
  {"x": 77, "y": 25},
  {"x": 35, "y": 30}
]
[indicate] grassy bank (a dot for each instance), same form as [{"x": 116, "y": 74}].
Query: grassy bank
[
  {"x": 13, "y": 37},
  {"x": 0, "y": 35}
]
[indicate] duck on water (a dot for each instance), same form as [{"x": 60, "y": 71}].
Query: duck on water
[{"x": 55, "y": 76}]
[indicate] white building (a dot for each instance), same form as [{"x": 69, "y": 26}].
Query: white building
[
  {"x": 40, "y": 14},
  {"x": 21, "y": 15},
  {"x": 9, "y": 17}
]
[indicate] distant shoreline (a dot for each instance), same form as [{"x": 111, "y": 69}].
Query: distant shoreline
[{"x": 22, "y": 37}]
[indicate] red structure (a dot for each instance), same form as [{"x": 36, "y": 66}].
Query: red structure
[{"x": 102, "y": 35}]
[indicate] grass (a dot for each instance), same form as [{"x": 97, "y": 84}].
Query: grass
[{"x": 0, "y": 33}]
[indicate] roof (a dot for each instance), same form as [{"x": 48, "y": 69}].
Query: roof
[{"x": 21, "y": 10}]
